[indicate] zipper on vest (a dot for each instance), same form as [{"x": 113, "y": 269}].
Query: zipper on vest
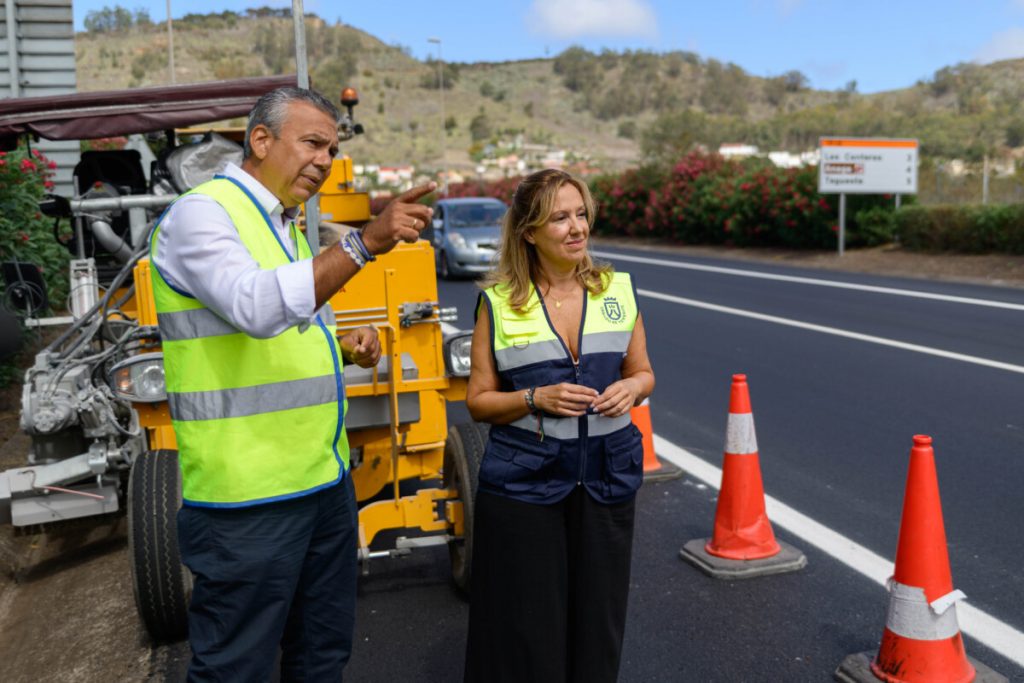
[{"x": 582, "y": 430}]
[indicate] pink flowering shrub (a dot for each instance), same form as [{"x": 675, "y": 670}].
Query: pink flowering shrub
[
  {"x": 705, "y": 199},
  {"x": 26, "y": 234}
]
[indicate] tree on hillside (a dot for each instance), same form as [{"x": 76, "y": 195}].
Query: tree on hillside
[
  {"x": 480, "y": 126},
  {"x": 449, "y": 75},
  {"x": 725, "y": 89},
  {"x": 672, "y": 135},
  {"x": 579, "y": 69},
  {"x": 110, "y": 19}
]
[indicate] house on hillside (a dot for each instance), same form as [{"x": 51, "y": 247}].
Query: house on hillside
[{"x": 738, "y": 150}]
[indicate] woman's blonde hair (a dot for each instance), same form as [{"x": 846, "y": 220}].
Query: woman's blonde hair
[{"x": 532, "y": 206}]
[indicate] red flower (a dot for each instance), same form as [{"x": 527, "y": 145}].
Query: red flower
[
  {"x": 48, "y": 184},
  {"x": 36, "y": 153},
  {"x": 51, "y": 165},
  {"x": 834, "y": 228},
  {"x": 3, "y": 162},
  {"x": 23, "y": 236},
  {"x": 28, "y": 165}
]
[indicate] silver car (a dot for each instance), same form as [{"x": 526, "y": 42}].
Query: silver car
[{"x": 465, "y": 233}]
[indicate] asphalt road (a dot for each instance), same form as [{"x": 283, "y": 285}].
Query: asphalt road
[{"x": 835, "y": 414}]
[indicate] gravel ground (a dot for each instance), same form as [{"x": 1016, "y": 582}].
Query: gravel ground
[{"x": 66, "y": 606}]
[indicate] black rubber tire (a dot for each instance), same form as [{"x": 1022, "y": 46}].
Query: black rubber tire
[
  {"x": 463, "y": 452},
  {"x": 162, "y": 585}
]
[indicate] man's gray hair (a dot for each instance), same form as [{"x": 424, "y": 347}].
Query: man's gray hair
[{"x": 272, "y": 108}]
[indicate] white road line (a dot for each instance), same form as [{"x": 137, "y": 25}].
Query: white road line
[
  {"x": 917, "y": 348},
  {"x": 983, "y": 627},
  {"x": 811, "y": 281}
]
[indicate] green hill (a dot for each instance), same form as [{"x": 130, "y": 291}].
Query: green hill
[{"x": 615, "y": 108}]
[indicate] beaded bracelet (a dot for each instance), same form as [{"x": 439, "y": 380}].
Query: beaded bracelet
[
  {"x": 357, "y": 238},
  {"x": 352, "y": 251}
]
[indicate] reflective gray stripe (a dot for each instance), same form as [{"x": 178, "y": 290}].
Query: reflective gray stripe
[
  {"x": 555, "y": 427},
  {"x": 551, "y": 349},
  {"x": 568, "y": 427},
  {"x": 193, "y": 324},
  {"x": 263, "y": 398},
  {"x": 606, "y": 342},
  {"x": 911, "y": 616},
  {"x": 529, "y": 353},
  {"x": 740, "y": 438},
  {"x": 599, "y": 425}
]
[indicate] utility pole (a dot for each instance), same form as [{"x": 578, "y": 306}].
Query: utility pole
[
  {"x": 984, "y": 182},
  {"x": 170, "y": 43},
  {"x": 312, "y": 205},
  {"x": 444, "y": 131}
]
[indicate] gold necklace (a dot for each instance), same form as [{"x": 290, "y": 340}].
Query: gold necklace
[{"x": 558, "y": 302}]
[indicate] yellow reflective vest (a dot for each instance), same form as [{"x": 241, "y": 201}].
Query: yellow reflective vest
[{"x": 257, "y": 420}]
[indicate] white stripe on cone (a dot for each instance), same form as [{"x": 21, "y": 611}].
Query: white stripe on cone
[
  {"x": 910, "y": 615},
  {"x": 740, "y": 438}
]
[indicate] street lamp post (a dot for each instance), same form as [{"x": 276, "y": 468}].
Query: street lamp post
[
  {"x": 170, "y": 43},
  {"x": 444, "y": 131}
]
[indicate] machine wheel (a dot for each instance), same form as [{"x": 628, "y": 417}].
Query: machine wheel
[
  {"x": 163, "y": 586},
  {"x": 463, "y": 452}
]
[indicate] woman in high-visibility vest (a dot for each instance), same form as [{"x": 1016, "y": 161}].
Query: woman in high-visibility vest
[{"x": 559, "y": 358}]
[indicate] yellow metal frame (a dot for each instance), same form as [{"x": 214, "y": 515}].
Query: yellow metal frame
[{"x": 389, "y": 455}]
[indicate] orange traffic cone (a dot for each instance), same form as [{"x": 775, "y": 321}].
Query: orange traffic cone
[
  {"x": 654, "y": 468},
  {"x": 921, "y": 642},
  {"x": 743, "y": 543}
]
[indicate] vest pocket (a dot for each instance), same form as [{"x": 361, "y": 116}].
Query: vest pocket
[
  {"x": 624, "y": 457},
  {"x": 517, "y": 465}
]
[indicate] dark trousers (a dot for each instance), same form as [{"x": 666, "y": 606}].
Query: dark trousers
[
  {"x": 549, "y": 589},
  {"x": 274, "y": 575}
]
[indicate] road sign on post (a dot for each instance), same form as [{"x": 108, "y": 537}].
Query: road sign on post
[{"x": 866, "y": 166}]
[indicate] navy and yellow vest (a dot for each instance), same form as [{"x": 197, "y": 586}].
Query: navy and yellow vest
[
  {"x": 602, "y": 454},
  {"x": 256, "y": 420}
]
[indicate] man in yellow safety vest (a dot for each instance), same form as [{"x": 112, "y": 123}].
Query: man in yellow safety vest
[{"x": 268, "y": 525}]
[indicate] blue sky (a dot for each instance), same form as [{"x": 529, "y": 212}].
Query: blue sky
[{"x": 882, "y": 44}]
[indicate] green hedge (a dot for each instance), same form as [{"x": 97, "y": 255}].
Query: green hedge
[{"x": 968, "y": 229}]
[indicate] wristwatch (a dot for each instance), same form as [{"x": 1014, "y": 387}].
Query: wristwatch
[{"x": 529, "y": 399}]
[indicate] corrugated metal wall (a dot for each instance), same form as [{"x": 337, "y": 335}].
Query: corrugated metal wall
[{"x": 37, "y": 58}]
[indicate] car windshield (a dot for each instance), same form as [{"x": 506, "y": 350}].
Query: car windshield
[{"x": 473, "y": 215}]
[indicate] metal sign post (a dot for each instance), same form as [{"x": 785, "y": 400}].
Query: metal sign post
[
  {"x": 312, "y": 205},
  {"x": 866, "y": 166},
  {"x": 842, "y": 223}
]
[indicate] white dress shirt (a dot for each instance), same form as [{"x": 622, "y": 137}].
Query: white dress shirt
[{"x": 199, "y": 252}]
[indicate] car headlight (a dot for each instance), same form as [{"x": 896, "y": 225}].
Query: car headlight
[
  {"x": 140, "y": 378},
  {"x": 456, "y": 353},
  {"x": 457, "y": 239}
]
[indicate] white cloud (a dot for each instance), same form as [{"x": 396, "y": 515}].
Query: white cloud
[
  {"x": 569, "y": 19},
  {"x": 1008, "y": 44}
]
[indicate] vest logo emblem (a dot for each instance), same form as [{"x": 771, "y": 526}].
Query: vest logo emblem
[{"x": 611, "y": 310}]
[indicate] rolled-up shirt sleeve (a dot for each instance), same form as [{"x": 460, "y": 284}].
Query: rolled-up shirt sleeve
[{"x": 200, "y": 253}]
